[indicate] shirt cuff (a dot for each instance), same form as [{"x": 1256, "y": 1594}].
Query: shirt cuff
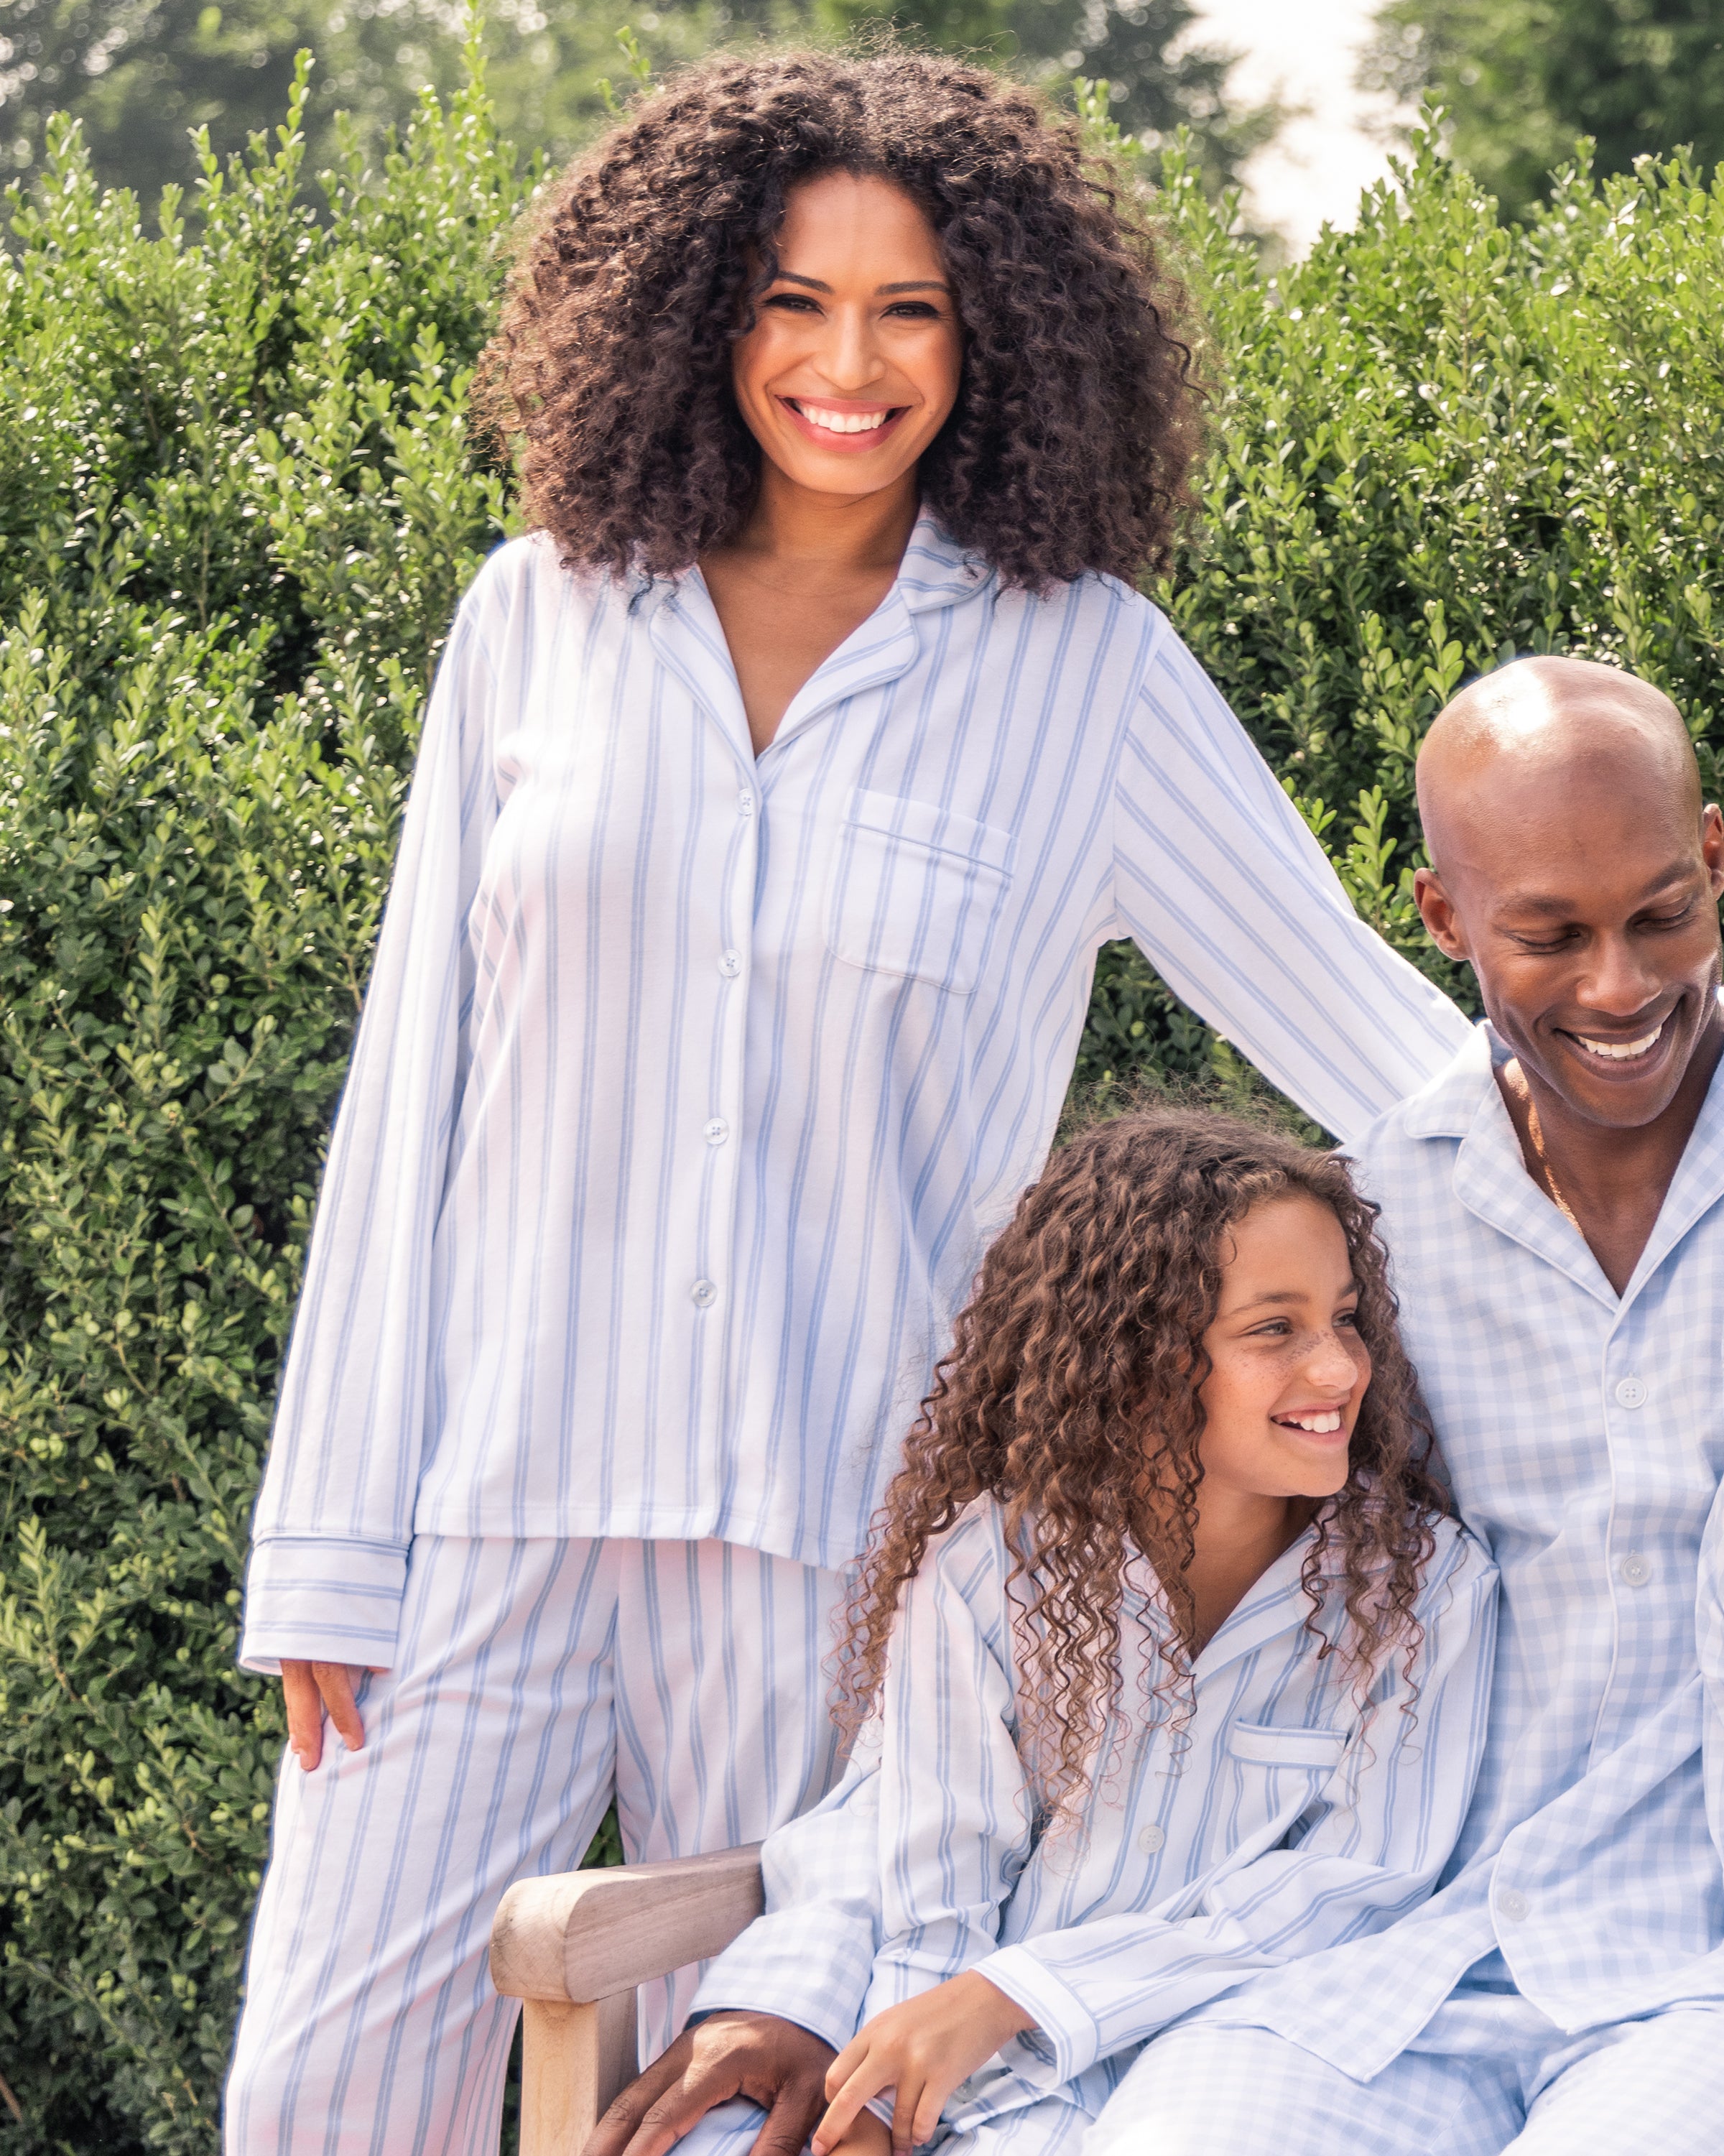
[
  {"x": 1066, "y": 2039},
  {"x": 309, "y": 1598},
  {"x": 782, "y": 1965}
]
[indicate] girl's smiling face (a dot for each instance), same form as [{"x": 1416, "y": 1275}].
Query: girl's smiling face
[
  {"x": 1288, "y": 1367},
  {"x": 852, "y": 366}
]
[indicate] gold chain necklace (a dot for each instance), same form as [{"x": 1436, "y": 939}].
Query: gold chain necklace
[{"x": 1547, "y": 1176}]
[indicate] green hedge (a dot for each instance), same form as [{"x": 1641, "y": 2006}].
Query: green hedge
[{"x": 237, "y": 509}]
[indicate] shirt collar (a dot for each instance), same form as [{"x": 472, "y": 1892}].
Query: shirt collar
[
  {"x": 935, "y": 571},
  {"x": 1491, "y": 1177}
]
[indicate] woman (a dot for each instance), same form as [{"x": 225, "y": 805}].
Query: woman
[
  {"x": 774, "y": 797},
  {"x": 1223, "y": 1659}
]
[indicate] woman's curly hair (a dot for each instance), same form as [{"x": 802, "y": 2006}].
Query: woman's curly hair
[
  {"x": 1068, "y": 448},
  {"x": 1070, "y": 1397}
]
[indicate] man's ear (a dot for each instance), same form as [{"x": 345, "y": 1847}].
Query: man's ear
[
  {"x": 1712, "y": 846},
  {"x": 1436, "y": 909}
]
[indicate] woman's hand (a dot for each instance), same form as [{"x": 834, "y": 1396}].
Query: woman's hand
[
  {"x": 311, "y": 1689},
  {"x": 922, "y": 2050}
]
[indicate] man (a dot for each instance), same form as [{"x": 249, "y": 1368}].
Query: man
[{"x": 1554, "y": 1204}]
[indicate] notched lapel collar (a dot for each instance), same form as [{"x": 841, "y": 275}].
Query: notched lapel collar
[
  {"x": 1490, "y": 1180},
  {"x": 689, "y": 644}
]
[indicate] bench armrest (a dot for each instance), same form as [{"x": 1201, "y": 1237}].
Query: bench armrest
[{"x": 584, "y": 1936}]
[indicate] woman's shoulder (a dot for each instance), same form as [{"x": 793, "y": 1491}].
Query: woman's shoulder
[{"x": 527, "y": 569}]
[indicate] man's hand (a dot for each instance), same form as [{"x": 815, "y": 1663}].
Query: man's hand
[
  {"x": 922, "y": 2050},
  {"x": 312, "y": 1688},
  {"x": 773, "y": 2063}
]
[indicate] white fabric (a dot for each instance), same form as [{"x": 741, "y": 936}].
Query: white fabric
[
  {"x": 1584, "y": 1434},
  {"x": 1491, "y": 2075},
  {"x": 535, "y": 1678},
  {"x": 1284, "y": 1817},
  {"x": 689, "y": 1088}
]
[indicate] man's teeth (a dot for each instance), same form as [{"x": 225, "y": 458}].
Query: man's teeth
[
  {"x": 842, "y": 422},
  {"x": 1620, "y": 1051},
  {"x": 1319, "y": 1425}
]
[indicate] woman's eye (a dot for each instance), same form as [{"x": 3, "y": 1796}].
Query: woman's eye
[
  {"x": 793, "y": 303},
  {"x": 917, "y": 310},
  {"x": 1277, "y": 1328}
]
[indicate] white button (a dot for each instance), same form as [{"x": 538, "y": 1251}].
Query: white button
[
  {"x": 1630, "y": 1393},
  {"x": 729, "y": 963},
  {"x": 745, "y": 804},
  {"x": 1514, "y": 1905},
  {"x": 717, "y": 1130},
  {"x": 703, "y": 1293},
  {"x": 1153, "y": 1840},
  {"x": 1635, "y": 1570}
]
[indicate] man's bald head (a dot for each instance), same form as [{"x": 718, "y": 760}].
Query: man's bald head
[
  {"x": 1564, "y": 725},
  {"x": 1574, "y": 866}
]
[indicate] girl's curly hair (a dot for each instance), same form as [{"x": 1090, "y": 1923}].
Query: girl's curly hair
[
  {"x": 1068, "y": 446},
  {"x": 1070, "y": 1397}
]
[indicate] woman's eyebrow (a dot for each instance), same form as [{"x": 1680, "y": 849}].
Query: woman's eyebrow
[{"x": 909, "y": 285}]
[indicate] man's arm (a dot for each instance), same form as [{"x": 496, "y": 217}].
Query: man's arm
[
  {"x": 1235, "y": 904},
  {"x": 778, "y": 2005},
  {"x": 771, "y": 2061}
]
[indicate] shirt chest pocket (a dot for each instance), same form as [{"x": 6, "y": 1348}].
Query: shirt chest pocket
[
  {"x": 916, "y": 891},
  {"x": 1306, "y": 1751}
]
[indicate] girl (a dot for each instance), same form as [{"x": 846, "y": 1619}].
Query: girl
[
  {"x": 777, "y": 792},
  {"x": 1174, "y": 1663}
]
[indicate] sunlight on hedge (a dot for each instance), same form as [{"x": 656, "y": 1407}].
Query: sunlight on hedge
[{"x": 237, "y": 506}]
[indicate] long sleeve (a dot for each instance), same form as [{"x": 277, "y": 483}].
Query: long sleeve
[
  {"x": 807, "y": 1959},
  {"x": 1231, "y": 898},
  {"x": 955, "y": 1809},
  {"x": 335, "y": 1517},
  {"x": 894, "y": 1882},
  {"x": 1368, "y": 1848}
]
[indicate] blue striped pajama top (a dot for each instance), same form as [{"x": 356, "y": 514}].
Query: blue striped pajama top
[{"x": 689, "y": 1087}]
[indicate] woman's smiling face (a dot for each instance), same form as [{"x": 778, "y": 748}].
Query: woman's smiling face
[{"x": 852, "y": 366}]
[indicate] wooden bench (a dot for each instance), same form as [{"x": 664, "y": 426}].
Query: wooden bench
[{"x": 575, "y": 1947}]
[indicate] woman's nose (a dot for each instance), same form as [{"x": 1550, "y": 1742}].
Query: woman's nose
[{"x": 854, "y": 361}]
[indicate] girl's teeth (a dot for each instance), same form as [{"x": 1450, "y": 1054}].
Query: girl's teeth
[
  {"x": 1319, "y": 1425},
  {"x": 1619, "y": 1051},
  {"x": 842, "y": 422}
]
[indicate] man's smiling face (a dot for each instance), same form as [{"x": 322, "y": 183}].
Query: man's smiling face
[{"x": 1575, "y": 868}]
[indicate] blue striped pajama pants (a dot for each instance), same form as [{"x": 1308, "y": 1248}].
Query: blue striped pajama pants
[
  {"x": 1489, "y": 2077},
  {"x": 533, "y": 1680}
]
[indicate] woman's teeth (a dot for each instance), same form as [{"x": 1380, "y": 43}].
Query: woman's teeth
[
  {"x": 1320, "y": 1425},
  {"x": 1620, "y": 1051},
  {"x": 842, "y": 422}
]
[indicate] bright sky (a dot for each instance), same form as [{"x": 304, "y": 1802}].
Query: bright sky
[{"x": 1307, "y": 48}]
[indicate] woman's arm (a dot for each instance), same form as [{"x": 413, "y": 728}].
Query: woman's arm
[
  {"x": 334, "y": 1519},
  {"x": 1232, "y": 900},
  {"x": 1373, "y": 1845}
]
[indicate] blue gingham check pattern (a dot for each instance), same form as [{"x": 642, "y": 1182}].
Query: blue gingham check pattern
[
  {"x": 689, "y": 1087},
  {"x": 1287, "y": 1817}
]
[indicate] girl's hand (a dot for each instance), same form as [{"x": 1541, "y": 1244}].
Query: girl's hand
[{"x": 922, "y": 2050}]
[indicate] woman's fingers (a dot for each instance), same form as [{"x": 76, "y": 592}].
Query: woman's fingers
[
  {"x": 305, "y": 1713},
  {"x": 309, "y": 1691},
  {"x": 335, "y": 1681}
]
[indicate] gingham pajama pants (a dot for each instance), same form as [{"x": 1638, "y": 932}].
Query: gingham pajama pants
[
  {"x": 533, "y": 1680},
  {"x": 1490, "y": 2074}
]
